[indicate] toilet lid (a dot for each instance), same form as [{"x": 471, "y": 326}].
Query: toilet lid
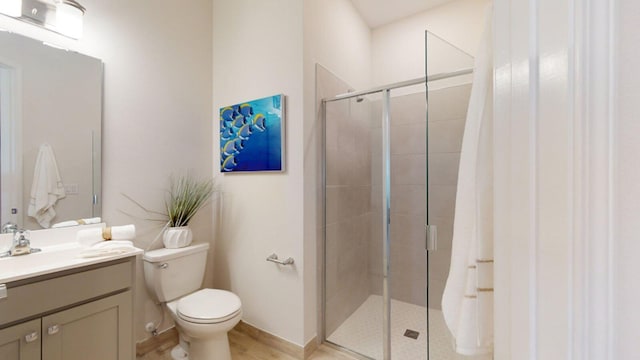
[{"x": 209, "y": 306}]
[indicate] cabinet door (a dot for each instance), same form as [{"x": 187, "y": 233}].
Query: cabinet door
[
  {"x": 99, "y": 330},
  {"x": 21, "y": 342}
]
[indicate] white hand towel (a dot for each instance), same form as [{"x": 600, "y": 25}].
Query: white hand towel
[
  {"x": 107, "y": 248},
  {"x": 124, "y": 232},
  {"x": 90, "y": 237},
  {"x": 47, "y": 187}
]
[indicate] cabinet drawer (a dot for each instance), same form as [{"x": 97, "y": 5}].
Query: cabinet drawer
[{"x": 37, "y": 298}]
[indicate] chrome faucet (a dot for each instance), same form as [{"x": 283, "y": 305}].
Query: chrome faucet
[
  {"x": 9, "y": 228},
  {"x": 21, "y": 244}
]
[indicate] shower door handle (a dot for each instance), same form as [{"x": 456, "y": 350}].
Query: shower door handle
[{"x": 431, "y": 237}]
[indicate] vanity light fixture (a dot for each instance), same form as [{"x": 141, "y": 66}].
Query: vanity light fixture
[
  {"x": 62, "y": 16},
  {"x": 69, "y": 14},
  {"x": 11, "y": 8}
]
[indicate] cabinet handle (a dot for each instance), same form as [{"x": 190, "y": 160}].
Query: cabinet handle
[
  {"x": 31, "y": 337},
  {"x": 53, "y": 329}
]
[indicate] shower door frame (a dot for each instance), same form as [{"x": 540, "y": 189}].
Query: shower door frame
[{"x": 386, "y": 197}]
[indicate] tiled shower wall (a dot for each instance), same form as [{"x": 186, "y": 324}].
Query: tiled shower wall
[
  {"x": 447, "y": 113},
  {"x": 348, "y": 207}
]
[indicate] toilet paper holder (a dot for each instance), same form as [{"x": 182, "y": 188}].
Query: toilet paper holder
[{"x": 274, "y": 258}]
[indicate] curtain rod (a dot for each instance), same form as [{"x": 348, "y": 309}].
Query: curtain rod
[{"x": 434, "y": 77}]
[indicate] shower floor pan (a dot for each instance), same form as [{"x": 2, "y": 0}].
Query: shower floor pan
[{"x": 362, "y": 332}]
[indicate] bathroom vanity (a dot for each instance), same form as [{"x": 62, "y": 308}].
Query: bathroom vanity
[{"x": 55, "y": 305}]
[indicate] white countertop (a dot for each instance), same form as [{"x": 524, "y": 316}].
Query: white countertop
[{"x": 58, "y": 254}]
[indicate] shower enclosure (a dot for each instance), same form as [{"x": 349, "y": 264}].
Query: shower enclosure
[{"x": 390, "y": 173}]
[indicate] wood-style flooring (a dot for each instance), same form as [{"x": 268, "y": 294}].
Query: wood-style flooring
[{"x": 243, "y": 347}]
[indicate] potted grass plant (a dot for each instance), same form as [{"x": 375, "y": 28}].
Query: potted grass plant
[{"x": 185, "y": 197}]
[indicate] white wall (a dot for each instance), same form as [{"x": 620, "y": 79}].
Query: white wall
[
  {"x": 257, "y": 52},
  {"x": 157, "y": 107},
  {"x": 336, "y": 37},
  {"x": 398, "y": 48}
]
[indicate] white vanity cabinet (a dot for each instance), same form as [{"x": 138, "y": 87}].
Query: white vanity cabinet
[{"x": 82, "y": 314}]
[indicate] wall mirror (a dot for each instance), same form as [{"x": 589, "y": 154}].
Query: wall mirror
[{"x": 49, "y": 98}]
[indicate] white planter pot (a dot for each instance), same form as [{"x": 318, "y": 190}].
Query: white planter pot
[{"x": 177, "y": 237}]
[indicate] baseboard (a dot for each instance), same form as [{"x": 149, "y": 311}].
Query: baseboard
[
  {"x": 311, "y": 347},
  {"x": 169, "y": 339},
  {"x": 164, "y": 340},
  {"x": 273, "y": 341}
]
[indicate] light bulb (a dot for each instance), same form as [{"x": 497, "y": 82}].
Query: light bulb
[
  {"x": 69, "y": 20},
  {"x": 12, "y": 8}
]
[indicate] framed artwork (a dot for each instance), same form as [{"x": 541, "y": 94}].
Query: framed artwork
[{"x": 252, "y": 135}]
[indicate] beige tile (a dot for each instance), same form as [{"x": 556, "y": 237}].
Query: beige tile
[
  {"x": 353, "y": 201},
  {"x": 442, "y": 200},
  {"x": 409, "y": 274},
  {"x": 376, "y": 169},
  {"x": 375, "y": 135},
  {"x": 439, "y": 263},
  {"x": 409, "y": 109},
  {"x": 375, "y": 244},
  {"x": 376, "y": 197},
  {"x": 376, "y": 114},
  {"x": 332, "y": 203},
  {"x": 409, "y": 199},
  {"x": 436, "y": 289},
  {"x": 443, "y": 168},
  {"x": 375, "y": 284},
  {"x": 353, "y": 292},
  {"x": 331, "y": 267},
  {"x": 450, "y": 103},
  {"x": 446, "y": 136},
  {"x": 352, "y": 244},
  {"x": 409, "y": 139},
  {"x": 408, "y": 231},
  {"x": 408, "y": 169}
]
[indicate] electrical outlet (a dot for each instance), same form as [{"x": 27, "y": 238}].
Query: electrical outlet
[{"x": 72, "y": 189}]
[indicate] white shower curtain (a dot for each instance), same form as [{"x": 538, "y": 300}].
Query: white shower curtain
[{"x": 467, "y": 301}]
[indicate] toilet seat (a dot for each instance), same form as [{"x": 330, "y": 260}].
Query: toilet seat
[{"x": 209, "y": 306}]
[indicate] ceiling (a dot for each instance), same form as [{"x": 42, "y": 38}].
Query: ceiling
[{"x": 380, "y": 12}]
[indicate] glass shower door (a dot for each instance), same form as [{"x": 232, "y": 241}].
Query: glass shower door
[
  {"x": 448, "y": 99},
  {"x": 352, "y": 301}
]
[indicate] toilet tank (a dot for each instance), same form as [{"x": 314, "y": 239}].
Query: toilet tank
[{"x": 172, "y": 273}]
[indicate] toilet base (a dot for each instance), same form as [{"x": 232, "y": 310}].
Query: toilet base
[
  {"x": 178, "y": 353},
  {"x": 213, "y": 348}
]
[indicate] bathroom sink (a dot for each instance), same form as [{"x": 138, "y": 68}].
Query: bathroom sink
[{"x": 51, "y": 259}]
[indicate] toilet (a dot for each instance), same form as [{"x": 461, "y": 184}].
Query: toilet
[{"x": 203, "y": 316}]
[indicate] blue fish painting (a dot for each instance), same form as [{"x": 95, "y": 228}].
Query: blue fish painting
[
  {"x": 239, "y": 121},
  {"x": 259, "y": 122},
  {"x": 252, "y": 135},
  {"x": 226, "y": 114},
  {"x": 226, "y": 133},
  {"x": 246, "y": 110},
  {"x": 229, "y": 163}
]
